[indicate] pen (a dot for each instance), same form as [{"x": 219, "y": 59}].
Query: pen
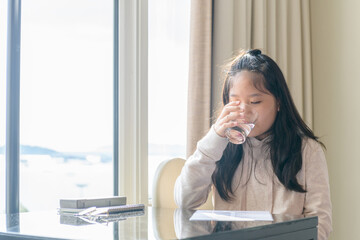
[{"x": 86, "y": 211}]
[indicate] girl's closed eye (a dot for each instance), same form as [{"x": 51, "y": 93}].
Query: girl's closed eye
[{"x": 255, "y": 102}]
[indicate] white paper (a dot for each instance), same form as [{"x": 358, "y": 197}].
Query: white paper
[{"x": 220, "y": 215}]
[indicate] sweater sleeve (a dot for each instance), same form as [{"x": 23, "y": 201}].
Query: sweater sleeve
[
  {"x": 317, "y": 200},
  {"x": 194, "y": 183}
]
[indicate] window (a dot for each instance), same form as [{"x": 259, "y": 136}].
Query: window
[
  {"x": 169, "y": 30},
  {"x": 66, "y": 108}
]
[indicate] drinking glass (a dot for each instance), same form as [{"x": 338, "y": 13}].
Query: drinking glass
[{"x": 246, "y": 122}]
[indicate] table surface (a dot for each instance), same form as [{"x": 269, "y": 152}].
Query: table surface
[{"x": 154, "y": 223}]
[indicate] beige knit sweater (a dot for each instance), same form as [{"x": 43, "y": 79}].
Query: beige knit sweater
[{"x": 255, "y": 185}]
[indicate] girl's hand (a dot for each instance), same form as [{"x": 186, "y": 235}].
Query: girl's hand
[{"x": 227, "y": 118}]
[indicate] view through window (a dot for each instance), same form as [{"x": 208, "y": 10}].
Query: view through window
[
  {"x": 169, "y": 29},
  {"x": 66, "y": 108}
]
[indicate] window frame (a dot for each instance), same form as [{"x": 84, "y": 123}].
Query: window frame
[
  {"x": 13, "y": 108},
  {"x": 133, "y": 101}
]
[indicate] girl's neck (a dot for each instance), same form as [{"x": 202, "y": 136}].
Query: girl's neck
[{"x": 263, "y": 135}]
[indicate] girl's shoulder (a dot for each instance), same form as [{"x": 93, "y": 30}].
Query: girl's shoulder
[
  {"x": 311, "y": 147},
  {"x": 310, "y": 143}
]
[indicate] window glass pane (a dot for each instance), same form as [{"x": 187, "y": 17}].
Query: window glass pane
[
  {"x": 66, "y": 113},
  {"x": 169, "y": 22},
  {"x": 3, "y": 40}
]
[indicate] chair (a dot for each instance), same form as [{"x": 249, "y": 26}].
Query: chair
[
  {"x": 164, "y": 181},
  {"x": 163, "y": 197}
]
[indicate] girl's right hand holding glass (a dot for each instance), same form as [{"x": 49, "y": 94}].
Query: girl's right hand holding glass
[{"x": 227, "y": 119}]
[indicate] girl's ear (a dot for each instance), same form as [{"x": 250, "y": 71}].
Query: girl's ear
[{"x": 278, "y": 106}]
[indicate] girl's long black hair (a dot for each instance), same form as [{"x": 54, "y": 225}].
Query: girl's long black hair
[{"x": 287, "y": 130}]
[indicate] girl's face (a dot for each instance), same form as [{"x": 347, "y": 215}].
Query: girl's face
[{"x": 263, "y": 102}]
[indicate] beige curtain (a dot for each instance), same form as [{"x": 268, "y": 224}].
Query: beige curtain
[
  {"x": 280, "y": 28},
  {"x": 199, "y": 90}
]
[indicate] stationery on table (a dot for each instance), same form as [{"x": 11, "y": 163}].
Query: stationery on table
[
  {"x": 94, "y": 211},
  {"x": 92, "y": 202},
  {"x": 111, "y": 214},
  {"x": 78, "y": 205},
  {"x": 98, "y": 210},
  {"x": 221, "y": 215}
]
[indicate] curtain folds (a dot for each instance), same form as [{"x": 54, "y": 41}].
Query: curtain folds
[
  {"x": 199, "y": 87},
  {"x": 280, "y": 28}
]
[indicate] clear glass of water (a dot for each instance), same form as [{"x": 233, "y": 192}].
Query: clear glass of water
[{"x": 246, "y": 122}]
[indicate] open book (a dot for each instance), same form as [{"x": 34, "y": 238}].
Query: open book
[{"x": 220, "y": 215}]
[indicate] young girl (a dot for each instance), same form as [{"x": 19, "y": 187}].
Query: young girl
[{"x": 281, "y": 167}]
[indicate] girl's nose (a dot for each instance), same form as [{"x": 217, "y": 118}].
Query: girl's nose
[{"x": 243, "y": 106}]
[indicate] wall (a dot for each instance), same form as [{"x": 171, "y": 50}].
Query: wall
[{"x": 336, "y": 84}]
